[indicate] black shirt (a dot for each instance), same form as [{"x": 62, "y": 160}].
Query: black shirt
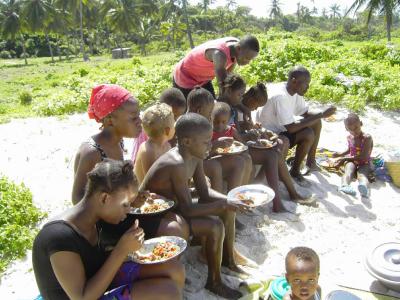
[{"x": 58, "y": 236}]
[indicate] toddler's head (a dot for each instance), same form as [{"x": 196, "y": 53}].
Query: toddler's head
[
  {"x": 174, "y": 98},
  {"x": 158, "y": 120},
  {"x": 256, "y": 96},
  {"x": 220, "y": 116},
  {"x": 200, "y": 101},
  {"x": 353, "y": 124},
  {"x": 302, "y": 272},
  {"x": 233, "y": 89}
]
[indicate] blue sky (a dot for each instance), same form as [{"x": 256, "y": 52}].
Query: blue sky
[{"x": 261, "y": 8}]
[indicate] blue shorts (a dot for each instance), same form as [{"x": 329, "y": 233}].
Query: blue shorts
[{"x": 120, "y": 287}]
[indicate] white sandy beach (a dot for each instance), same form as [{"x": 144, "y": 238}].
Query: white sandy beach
[{"x": 40, "y": 152}]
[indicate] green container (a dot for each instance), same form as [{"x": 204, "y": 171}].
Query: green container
[{"x": 278, "y": 288}]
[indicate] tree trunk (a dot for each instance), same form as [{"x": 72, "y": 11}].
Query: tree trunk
[
  {"x": 24, "y": 49},
  {"x": 58, "y": 49},
  {"x": 189, "y": 32},
  {"x": 84, "y": 56},
  {"x": 388, "y": 29},
  {"x": 50, "y": 48}
]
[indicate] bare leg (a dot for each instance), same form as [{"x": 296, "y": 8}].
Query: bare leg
[
  {"x": 363, "y": 182},
  {"x": 349, "y": 172},
  {"x": 232, "y": 169},
  {"x": 156, "y": 288},
  {"x": 172, "y": 269},
  {"x": 213, "y": 230},
  {"x": 268, "y": 158},
  {"x": 173, "y": 224},
  {"x": 213, "y": 170},
  {"x": 304, "y": 140},
  {"x": 316, "y": 127}
]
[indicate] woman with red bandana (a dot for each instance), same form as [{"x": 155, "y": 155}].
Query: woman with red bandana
[{"x": 119, "y": 114}]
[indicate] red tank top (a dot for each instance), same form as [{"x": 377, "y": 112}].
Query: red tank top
[
  {"x": 195, "y": 69},
  {"x": 227, "y": 133}
]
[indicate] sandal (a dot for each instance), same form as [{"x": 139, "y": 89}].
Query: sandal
[{"x": 347, "y": 189}]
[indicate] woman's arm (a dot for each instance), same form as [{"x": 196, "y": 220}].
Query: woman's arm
[{"x": 77, "y": 287}]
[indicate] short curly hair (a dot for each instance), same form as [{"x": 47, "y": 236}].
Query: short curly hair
[
  {"x": 156, "y": 118},
  {"x": 302, "y": 254}
]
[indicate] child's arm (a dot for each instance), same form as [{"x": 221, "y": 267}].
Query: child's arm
[
  {"x": 144, "y": 160},
  {"x": 182, "y": 193},
  {"x": 237, "y": 136},
  {"x": 341, "y": 154}
]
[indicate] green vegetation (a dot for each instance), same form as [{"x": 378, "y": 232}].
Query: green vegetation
[
  {"x": 376, "y": 64},
  {"x": 18, "y": 219}
]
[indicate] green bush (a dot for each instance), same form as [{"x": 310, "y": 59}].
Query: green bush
[
  {"x": 25, "y": 98},
  {"x": 18, "y": 219},
  {"x": 5, "y": 54}
]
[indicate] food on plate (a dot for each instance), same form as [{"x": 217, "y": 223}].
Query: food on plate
[
  {"x": 161, "y": 252},
  {"x": 245, "y": 199}
]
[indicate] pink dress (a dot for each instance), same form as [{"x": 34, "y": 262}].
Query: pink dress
[
  {"x": 136, "y": 144},
  {"x": 195, "y": 69}
]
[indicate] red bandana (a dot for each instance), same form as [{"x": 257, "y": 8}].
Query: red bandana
[{"x": 105, "y": 99}]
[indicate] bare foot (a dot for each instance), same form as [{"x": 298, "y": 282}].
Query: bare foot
[
  {"x": 300, "y": 180},
  {"x": 220, "y": 289},
  {"x": 311, "y": 167},
  {"x": 278, "y": 207},
  {"x": 243, "y": 260},
  {"x": 304, "y": 200},
  {"x": 234, "y": 267}
]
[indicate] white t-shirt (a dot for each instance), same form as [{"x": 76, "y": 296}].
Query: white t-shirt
[{"x": 281, "y": 108}]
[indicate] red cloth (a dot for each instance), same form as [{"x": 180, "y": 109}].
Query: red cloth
[
  {"x": 105, "y": 99},
  {"x": 227, "y": 133},
  {"x": 195, "y": 69}
]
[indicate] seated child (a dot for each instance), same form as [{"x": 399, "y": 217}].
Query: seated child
[
  {"x": 235, "y": 169},
  {"x": 158, "y": 123},
  {"x": 302, "y": 273},
  {"x": 118, "y": 112},
  {"x": 356, "y": 158},
  {"x": 271, "y": 159},
  {"x": 213, "y": 218},
  {"x": 174, "y": 98}
]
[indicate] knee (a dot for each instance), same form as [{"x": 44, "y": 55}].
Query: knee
[
  {"x": 176, "y": 272},
  {"x": 170, "y": 291},
  {"x": 309, "y": 135},
  {"x": 217, "y": 229},
  {"x": 283, "y": 142},
  {"x": 177, "y": 226},
  {"x": 317, "y": 126}
]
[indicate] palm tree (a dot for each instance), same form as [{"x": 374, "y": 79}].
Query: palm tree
[
  {"x": 335, "y": 11},
  {"x": 206, "y": 4},
  {"x": 39, "y": 14},
  {"x": 76, "y": 7},
  {"x": 383, "y": 7},
  {"x": 188, "y": 30},
  {"x": 11, "y": 22},
  {"x": 275, "y": 11},
  {"x": 231, "y": 4}
]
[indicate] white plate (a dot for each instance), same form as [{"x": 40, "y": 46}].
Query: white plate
[
  {"x": 235, "y": 148},
  {"x": 149, "y": 245},
  {"x": 258, "y": 193},
  {"x": 138, "y": 211}
]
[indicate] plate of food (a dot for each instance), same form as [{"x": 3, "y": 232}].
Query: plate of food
[
  {"x": 262, "y": 144},
  {"x": 153, "y": 206},
  {"x": 251, "y": 195},
  {"x": 328, "y": 163},
  {"x": 159, "y": 250},
  {"x": 235, "y": 148}
]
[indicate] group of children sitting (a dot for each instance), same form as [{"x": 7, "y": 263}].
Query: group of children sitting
[{"x": 176, "y": 150}]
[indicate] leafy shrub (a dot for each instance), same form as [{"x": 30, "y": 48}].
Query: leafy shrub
[
  {"x": 25, "y": 98},
  {"x": 18, "y": 217},
  {"x": 373, "y": 51},
  {"x": 394, "y": 57},
  {"x": 5, "y": 54},
  {"x": 82, "y": 72}
]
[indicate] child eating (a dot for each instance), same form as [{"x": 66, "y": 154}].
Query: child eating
[
  {"x": 212, "y": 218},
  {"x": 176, "y": 100},
  {"x": 302, "y": 273},
  {"x": 270, "y": 159},
  {"x": 235, "y": 169},
  {"x": 356, "y": 158},
  {"x": 158, "y": 124}
]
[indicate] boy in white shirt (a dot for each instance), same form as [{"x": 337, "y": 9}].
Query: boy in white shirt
[{"x": 285, "y": 103}]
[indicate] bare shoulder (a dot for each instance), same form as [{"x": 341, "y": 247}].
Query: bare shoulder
[
  {"x": 367, "y": 136},
  {"x": 87, "y": 154}
]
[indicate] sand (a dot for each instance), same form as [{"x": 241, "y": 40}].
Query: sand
[{"x": 40, "y": 152}]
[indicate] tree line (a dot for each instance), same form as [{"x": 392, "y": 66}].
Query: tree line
[{"x": 88, "y": 27}]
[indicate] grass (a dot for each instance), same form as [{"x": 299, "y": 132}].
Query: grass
[{"x": 45, "y": 80}]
